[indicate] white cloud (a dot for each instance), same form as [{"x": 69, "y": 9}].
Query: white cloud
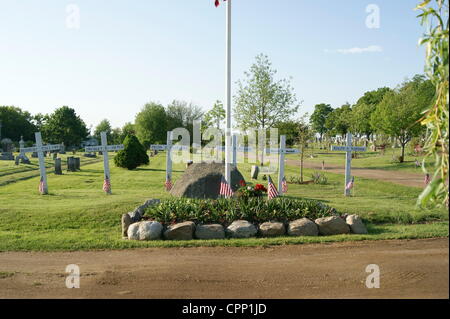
[{"x": 356, "y": 50}]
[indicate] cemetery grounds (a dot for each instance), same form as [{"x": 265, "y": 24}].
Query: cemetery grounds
[{"x": 77, "y": 223}]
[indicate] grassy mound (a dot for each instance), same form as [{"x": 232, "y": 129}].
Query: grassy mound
[{"x": 225, "y": 211}]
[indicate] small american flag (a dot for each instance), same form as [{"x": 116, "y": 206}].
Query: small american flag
[
  {"x": 284, "y": 185},
  {"x": 350, "y": 184},
  {"x": 217, "y": 2},
  {"x": 427, "y": 179},
  {"x": 168, "y": 184},
  {"x": 225, "y": 188},
  {"x": 41, "y": 186},
  {"x": 107, "y": 185},
  {"x": 272, "y": 191}
]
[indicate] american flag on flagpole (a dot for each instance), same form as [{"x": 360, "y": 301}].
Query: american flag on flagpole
[
  {"x": 168, "y": 184},
  {"x": 225, "y": 188},
  {"x": 284, "y": 185},
  {"x": 350, "y": 184},
  {"x": 107, "y": 185},
  {"x": 272, "y": 191},
  {"x": 41, "y": 186},
  {"x": 217, "y": 2}
]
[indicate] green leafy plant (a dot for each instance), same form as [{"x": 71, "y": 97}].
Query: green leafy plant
[
  {"x": 133, "y": 155},
  {"x": 436, "y": 118},
  {"x": 319, "y": 178},
  {"x": 225, "y": 211}
]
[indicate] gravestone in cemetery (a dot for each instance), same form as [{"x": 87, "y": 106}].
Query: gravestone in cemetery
[
  {"x": 40, "y": 149},
  {"x": 58, "y": 166},
  {"x": 22, "y": 156},
  {"x": 8, "y": 147},
  {"x": 71, "y": 164},
  {"x": 77, "y": 163},
  {"x": 349, "y": 149}
]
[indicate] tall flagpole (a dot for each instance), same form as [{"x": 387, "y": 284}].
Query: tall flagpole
[{"x": 228, "y": 156}]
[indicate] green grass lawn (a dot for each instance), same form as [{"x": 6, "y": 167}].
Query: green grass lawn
[
  {"x": 78, "y": 215},
  {"x": 370, "y": 160}
]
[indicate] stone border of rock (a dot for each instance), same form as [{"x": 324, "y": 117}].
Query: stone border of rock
[{"x": 134, "y": 228}]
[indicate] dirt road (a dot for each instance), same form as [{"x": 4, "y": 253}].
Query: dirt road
[
  {"x": 397, "y": 177},
  {"x": 409, "y": 269}
]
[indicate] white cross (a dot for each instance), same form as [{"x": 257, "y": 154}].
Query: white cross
[
  {"x": 104, "y": 148},
  {"x": 281, "y": 151},
  {"x": 348, "y": 149},
  {"x": 40, "y": 149}
]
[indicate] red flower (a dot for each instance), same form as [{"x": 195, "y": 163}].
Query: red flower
[
  {"x": 242, "y": 183},
  {"x": 260, "y": 187}
]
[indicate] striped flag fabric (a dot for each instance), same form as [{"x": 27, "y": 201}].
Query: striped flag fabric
[
  {"x": 41, "y": 186},
  {"x": 284, "y": 185},
  {"x": 107, "y": 185},
  {"x": 225, "y": 188},
  {"x": 427, "y": 179},
  {"x": 350, "y": 184},
  {"x": 217, "y": 2},
  {"x": 272, "y": 191},
  {"x": 168, "y": 184}
]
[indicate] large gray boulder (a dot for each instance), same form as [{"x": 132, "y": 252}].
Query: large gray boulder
[
  {"x": 202, "y": 180},
  {"x": 303, "y": 227},
  {"x": 356, "y": 224},
  {"x": 180, "y": 231},
  {"x": 126, "y": 222},
  {"x": 332, "y": 225},
  {"x": 145, "y": 230},
  {"x": 213, "y": 231},
  {"x": 272, "y": 229},
  {"x": 241, "y": 229}
]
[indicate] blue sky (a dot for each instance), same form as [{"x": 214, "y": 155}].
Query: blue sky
[{"x": 126, "y": 53}]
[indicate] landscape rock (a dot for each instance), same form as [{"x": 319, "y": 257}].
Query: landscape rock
[
  {"x": 202, "y": 180},
  {"x": 213, "y": 231},
  {"x": 241, "y": 229},
  {"x": 135, "y": 216},
  {"x": 272, "y": 229},
  {"x": 356, "y": 224},
  {"x": 146, "y": 230},
  {"x": 126, "y": 222},
  {"x": 332, "y": 225},
  {"x": 303, "y": 227},
  {"x": 180, "y": 231}
]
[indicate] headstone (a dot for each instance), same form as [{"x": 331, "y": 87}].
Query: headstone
[
  {"x": 58, "y": 168},
  {"x": 254, "y": 172},
  {"x": 7, "y": 146},
  {"x": 22, "y": 156},
  {"x": 63, "y": 149},
  {"x": 77, "y": 163},
  {"x": 71, "y": 164}
]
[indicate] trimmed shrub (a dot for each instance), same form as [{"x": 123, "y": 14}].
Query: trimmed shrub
[
  {"x": 225, "y": 211},
  {"x": 133, "y": 155}
]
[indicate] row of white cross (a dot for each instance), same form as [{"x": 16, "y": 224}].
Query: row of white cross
[{"x": 105, "y": 148}]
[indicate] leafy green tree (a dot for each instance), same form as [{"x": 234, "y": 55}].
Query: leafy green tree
[
  {"x": 214, "y": 116},
  {"x": 290, "y": 129},
  {"x": 64, "y": 125},
  {"x": 305, "y": 134},
  {"x": 103, "y": 126},
  {"x": 319, "y": 117},
  {"x": 435, "y": 16},
  {"x": 182, "y": 114},
  {"x": 338, "y": 121},
  {"x": 16, "y": 123},
  {"x": 151, "y": 124},
  {"x": 362, "y": 111},
  {"x": 261, "y": 101},
  {"x": 133, "y": 155},
  {"x": 400, "y": 110}
]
